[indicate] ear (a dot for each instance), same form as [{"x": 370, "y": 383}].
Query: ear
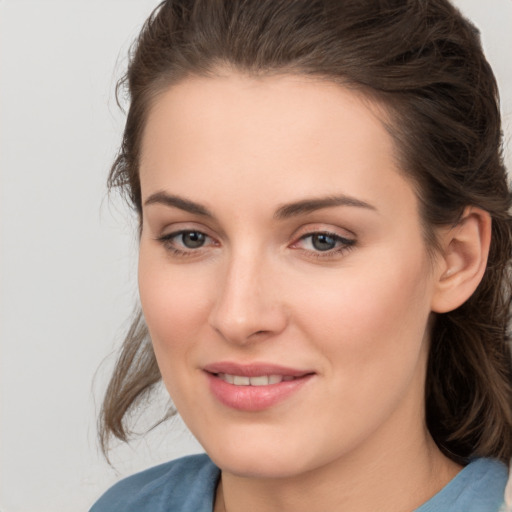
[{"x": 462, "y": 261}]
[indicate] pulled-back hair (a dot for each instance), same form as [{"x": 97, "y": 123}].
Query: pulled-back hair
[{"x": 423, "y": 62}]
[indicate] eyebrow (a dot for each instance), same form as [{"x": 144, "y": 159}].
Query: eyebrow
[
  {"x": 311, "y": 205},
  {"x": 178, "y": 202},
  {"x": 283, "y": 212}
]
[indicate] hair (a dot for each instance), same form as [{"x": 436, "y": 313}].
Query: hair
[{"x": 421, "y": 60}]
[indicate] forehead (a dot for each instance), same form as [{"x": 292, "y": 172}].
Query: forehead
[
  {"x": 262, "y": 110},
  {"x": 285, "y": 135}
]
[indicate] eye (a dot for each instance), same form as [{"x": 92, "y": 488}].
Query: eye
[
  {"x": 185, "y": 242},
  {"x": 192, "y": 239},
  {"x": 322, "y": 241},
  {"x": 323, "y": 244}
]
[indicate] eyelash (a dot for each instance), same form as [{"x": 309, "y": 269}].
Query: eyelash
[
  {"x": 169, "y": 244},
  {"x": 346, "y": 244}
]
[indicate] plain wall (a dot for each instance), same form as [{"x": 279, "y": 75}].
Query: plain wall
[{"x": 68, "y": 252}]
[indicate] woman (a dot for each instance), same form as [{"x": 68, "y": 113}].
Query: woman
[{"x": 324, "y": 264}]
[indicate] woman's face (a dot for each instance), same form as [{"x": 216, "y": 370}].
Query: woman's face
[{"x": 283, "y": 274}]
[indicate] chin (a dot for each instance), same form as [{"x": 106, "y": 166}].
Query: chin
[
  {"x": 264, "y": 458},
  {"x": 257, "y": 466}
]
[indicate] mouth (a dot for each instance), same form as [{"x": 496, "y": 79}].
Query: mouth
[
  {"x": 258, "y": 380},
  {"x": 254, "y": 387}
]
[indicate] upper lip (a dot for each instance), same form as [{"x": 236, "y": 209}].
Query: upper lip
[{"x": 254, "y": 369}]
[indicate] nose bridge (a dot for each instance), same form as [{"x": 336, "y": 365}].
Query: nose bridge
[{"x": 246, "y": 302}]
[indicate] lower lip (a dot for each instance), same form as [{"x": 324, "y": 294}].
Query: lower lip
[{"x": 254, "y": 398}]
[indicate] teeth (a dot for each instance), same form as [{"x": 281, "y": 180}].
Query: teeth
[
  {"x": 259, "y": 380},
  {"x": 238, "y": 380}
]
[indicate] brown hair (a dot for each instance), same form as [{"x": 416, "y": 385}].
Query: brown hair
[{"x": 423, "y": 61}]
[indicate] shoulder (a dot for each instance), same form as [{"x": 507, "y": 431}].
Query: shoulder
[
  {"x": 186, "y": 484},
  {"x": 479, "y": 487}
]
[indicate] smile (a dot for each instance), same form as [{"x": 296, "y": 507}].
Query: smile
[
  {"x": 254, "y": 387},
  {"x": 259, "y": 380}
]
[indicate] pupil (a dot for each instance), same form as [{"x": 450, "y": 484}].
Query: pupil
[
  {"x": 193, "y": 239},
  {"x": 323, "y": 242}
]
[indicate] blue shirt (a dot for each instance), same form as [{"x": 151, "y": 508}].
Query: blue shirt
[{"x": 188, "y": 485}]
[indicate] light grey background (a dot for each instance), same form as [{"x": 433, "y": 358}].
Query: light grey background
[{"x": 68, "y": 252}]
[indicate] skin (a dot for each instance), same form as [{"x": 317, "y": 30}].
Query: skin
[{"x": 258, "y": 289}]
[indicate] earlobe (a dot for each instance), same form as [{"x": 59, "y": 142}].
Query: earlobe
[{"x": 463, "y": 260}]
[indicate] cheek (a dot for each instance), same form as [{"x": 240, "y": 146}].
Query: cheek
[
  {"x": 175, "y": 309},
  {"x": 370, "y": 328},
  {"x": 174, "y": 301},
  {"x": 371, "y": 314}
]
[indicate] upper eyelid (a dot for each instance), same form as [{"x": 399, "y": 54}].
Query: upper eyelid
[
  {"x": 173, "y": 234},
  {"x": 184, "y": 227},
  {"x": 295, "y": 236},
  {"x": 314, "y": 225},
  {"x": 317, "y": 228},
  {"x": 326, "y": 232}
]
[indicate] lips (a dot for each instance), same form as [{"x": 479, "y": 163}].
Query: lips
[{"x": 254, "y": 387}]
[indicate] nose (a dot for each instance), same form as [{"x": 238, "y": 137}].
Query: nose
[{"x": 247, "y": 305}]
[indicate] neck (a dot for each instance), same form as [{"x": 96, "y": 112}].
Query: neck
[{"x": 400, "y": 477}]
